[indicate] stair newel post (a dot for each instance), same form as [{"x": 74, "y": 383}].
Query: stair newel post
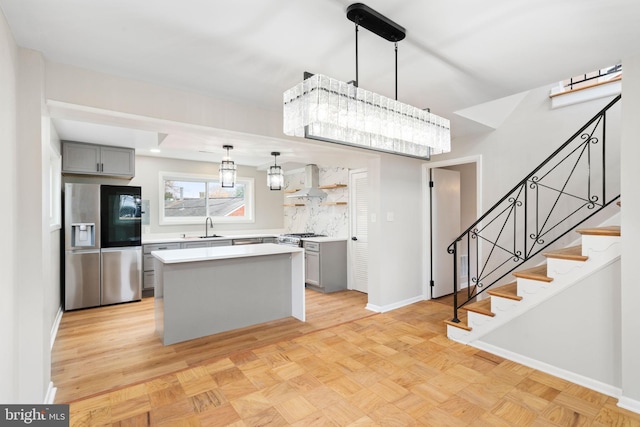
[{"x": 453, "y": 249}]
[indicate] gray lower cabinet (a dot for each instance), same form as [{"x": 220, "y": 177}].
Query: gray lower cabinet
[
  {"x": 325, "y": 265},
  {"x": 248, "y": 241},
  {"x": 148, "y": 276},
  {"x": 205, "y": 244}
]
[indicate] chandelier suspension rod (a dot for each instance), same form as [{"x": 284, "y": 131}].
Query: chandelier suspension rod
[
  {"x": 356, "y": 22},
  {"x": 396, "y": 50}
]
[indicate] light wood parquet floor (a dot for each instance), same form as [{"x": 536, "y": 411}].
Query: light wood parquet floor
[{"x": 390, "y": 369}]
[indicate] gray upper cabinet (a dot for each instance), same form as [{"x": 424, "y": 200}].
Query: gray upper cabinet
[{"x": 91, "y": 159}]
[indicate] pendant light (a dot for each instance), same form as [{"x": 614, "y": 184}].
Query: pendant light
[
  {"x": 275, "y": 177},
  {"x": 227, "y": 170}
]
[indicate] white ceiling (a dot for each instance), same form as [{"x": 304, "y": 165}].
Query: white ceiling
[{"x": 457, "y": 54}]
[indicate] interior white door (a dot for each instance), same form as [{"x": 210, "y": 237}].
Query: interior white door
[
  {"x": 358, "y": 243},
  {"x": 445, "y": 227}
]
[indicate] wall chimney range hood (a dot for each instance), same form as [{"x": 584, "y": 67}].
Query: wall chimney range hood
[{"x": 310, "y": 184}]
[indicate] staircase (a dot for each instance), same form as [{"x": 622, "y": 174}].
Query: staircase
[
  {"x": 563, "y": 268},
  {"x": 566, "y": 191}
]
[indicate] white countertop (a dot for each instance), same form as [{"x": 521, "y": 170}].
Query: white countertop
[
  {"x": 222, "y": 252},
  {"x": 151, "y": 240},
  {"x": 324, "y": 239}
]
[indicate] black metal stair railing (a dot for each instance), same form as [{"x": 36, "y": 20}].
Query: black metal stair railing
[{"x": 566, "y": 189}]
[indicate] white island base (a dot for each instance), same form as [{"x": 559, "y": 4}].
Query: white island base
[{"x": 204, "y": 291}]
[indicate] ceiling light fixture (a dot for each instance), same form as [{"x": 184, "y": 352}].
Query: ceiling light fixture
[
  {"x": 275, "y": 176},
  {"x": 327, "y": 109},
  {"x": 227, "y": 170}
]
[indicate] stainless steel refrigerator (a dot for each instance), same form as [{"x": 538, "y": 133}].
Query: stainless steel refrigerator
[{"x": 102, "y": 245}]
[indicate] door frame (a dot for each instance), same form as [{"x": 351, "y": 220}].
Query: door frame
[{"x": 426, "y": 198}]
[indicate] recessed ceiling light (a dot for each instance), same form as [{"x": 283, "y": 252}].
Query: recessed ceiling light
[{"x": 155, "y": 150}]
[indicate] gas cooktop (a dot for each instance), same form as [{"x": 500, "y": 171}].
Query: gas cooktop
[
  {"x": 303, "y": 235},
  {"x": 295, "y": 239}
]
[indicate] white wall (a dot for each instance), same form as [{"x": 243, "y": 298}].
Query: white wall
[
  {"x": 529, "y": 135},
  {"x": 395, "y": 237},
  {"x": 8, "y": 285},
  {"x": 468, "y": 193},
  {"x": 29, "y": 248},
  {"x": 576, "y": 331},
  {"x": 53, "y": 292},
  {"x": 89, "y": 88},
  {"x": 630, "y": 173},
  {"x": 268, "y": 208},
  {"x": 33, "y": 232}
]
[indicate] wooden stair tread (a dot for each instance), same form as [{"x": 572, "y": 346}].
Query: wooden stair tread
[
  {"x": 481, "y": 307},
  {"x": 461, "y": 325},
  {"x": 536, "y": 273},
  {"x": 613, "y": 230},
  {"x": 509, "y": 291},
  {"x": 573, "y": 253}
]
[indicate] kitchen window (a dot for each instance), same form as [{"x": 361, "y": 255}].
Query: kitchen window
[{"x": 190, "y": 199}]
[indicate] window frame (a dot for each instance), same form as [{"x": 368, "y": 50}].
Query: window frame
[{"x": 249, "y": 196}]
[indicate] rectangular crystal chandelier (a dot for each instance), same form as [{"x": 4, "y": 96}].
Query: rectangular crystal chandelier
[
  {"x": 324, "y": 108},
  {"x": 330, "y": 110}
]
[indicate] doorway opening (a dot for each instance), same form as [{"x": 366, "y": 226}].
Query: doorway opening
[{"x": 449, "y": 211}]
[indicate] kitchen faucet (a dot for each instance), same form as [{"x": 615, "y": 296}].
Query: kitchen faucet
[{"x": 206, "y": 226}]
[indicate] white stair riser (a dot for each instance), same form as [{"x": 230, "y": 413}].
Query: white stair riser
[
  {"x": 475, "y": 320},
  {"x": 601, "y": 247},
  {"x": 502, "y": 305},
  {"x": 458, "y": 334},
  {"x": 564, "y": 269},
  {"x": 530, "y": 287}
]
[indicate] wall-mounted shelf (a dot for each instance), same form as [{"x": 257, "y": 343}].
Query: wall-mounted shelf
[
  {"x": 292, "y": 190},
  {"x": 291, "y": 205},
  {"x": 333, "y": 203},
  {"x": 332, "y": 186}
]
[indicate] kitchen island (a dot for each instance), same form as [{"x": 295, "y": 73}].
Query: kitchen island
[{"x": 204, "y": 291}]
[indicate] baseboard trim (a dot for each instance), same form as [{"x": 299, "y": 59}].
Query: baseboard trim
[
  {"x": 50, "y": 397},
  {"x": 629, "y": 404},
  {"x": 396, "y": 305},
  {"x": 590, "y": 383},
  {"x": 55, "y": 326}
]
